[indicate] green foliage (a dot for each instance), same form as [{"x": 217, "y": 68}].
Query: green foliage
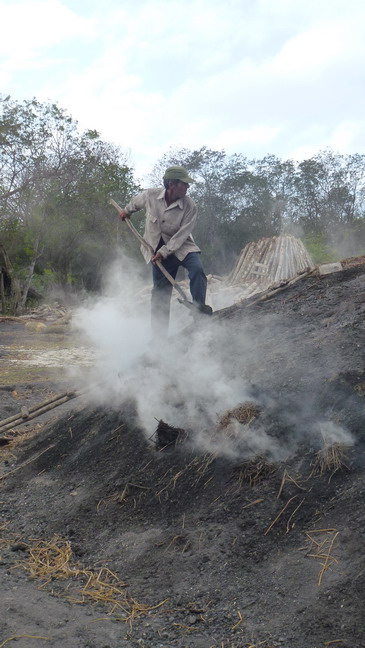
[
  {"x": 43, "y": 282},
  {"x": 54, "y": 188},
  {"x": 337, "y": 244},
  {"x": 243, "y": 200},
  {"x": 319, "y": 249},
  {"x": 56, "y": 227}
]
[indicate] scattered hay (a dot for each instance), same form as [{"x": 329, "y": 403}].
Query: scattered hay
[
  {"x": 330, "y": 459},
  {"x": 7, "y": 445},
  {"x": 22, "y": 636},
  {"x": 26, "y": 463},
  {"x": 260, "y": 643},
  {"x": 7, "y": 538},
  {"x": 51, "y": 560},
  {"x": 290, "y": 524},
  {"x": 253, "y": 472},
  {"x": 15, "y": 439},
  {"x": 48, "y": 560},
  {"x": 197, "y": 471},
  {"x": 245, "y": 414},
  {"x": 121, "y": 498},
  {"x": 321, "y": 543},
  {"x": 256, "y": 470},
  {"x": 179, "y": 544},
  {"x": 104, "y": 587},
  {"x": 249, "y": 504},
  {"x": 280, "y": 514},
  {"x": 194, "y": 472},
  {"x": 287, "y": 478},
  {"x": 240, "y": 620}
]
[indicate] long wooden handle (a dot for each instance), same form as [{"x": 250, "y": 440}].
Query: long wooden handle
[
  {"x": 132, "y": 228},
  {"x": 150, "y": 248}
]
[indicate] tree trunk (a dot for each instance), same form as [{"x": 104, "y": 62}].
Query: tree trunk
[
  {"x": 7, "y": 263},
  {"x": 15, "y": 286},
  {"x": 29, "y": 277},
  {"x": 2, "y": 291}
]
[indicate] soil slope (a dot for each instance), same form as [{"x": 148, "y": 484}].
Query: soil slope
[{"x": 108, "y": 542}]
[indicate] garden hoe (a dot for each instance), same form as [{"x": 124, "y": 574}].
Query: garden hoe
[{"x": 200, "y": 308}]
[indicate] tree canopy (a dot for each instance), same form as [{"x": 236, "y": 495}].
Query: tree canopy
[
  {"x": 55, "y": 182},
  {"x": 54, "y": 188},
  {"x": 320, "y": 199}
]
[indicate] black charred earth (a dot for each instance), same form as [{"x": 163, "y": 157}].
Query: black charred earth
[{"x": 200, "y": 549}]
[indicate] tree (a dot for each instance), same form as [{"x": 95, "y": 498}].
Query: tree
[
  {"x": 54, "y": 189},
  {"x": 241, "y": 200}
]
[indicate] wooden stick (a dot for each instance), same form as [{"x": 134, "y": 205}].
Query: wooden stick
[
  {"x": 26, "y": 462},
  {"x": 36, "y": 411},
  {"x": 36, "y": 407}
]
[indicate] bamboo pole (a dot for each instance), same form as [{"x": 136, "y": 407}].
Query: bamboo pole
[
  {"x": 252, "y": 301},
  {"x": 34, "y": 408},
  {"x": 37, "y": 410}
]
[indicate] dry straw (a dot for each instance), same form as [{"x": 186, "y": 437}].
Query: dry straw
[
  {"x": 245, "y": 414},
  {"x": 321, "y": 542},
  {"x": 255, "y": 470},
  {"x": 330, "y": 459},
  {"x": 22, "y": 636},
  {"x": 50, "y": 560}
]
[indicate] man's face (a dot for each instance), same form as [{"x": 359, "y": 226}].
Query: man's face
[{"x": 178, "y": 190}]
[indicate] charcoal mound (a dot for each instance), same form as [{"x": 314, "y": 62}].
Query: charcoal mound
[{"x": 235, "y": 550}]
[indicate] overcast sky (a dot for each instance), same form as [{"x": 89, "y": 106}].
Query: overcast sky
[{"x": 285, "y": 77}]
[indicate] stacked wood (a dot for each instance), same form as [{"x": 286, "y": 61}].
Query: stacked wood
[
  {"x": 270, "y": 261},
  {"x": 262, "y": 266},
  {"x": 26, "y": 414}
]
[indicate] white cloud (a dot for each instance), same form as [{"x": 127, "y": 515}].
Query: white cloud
[
  {"x": 347, "y": 134},
  {"x": 307, "y": 53},
  {"x": 280, "y": 77},
  {"x": 29, "y": 27},
  {"x": 234, "y": 138}
]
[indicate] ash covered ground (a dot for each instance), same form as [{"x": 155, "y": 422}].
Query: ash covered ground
[{"x": 239, "y": 535}]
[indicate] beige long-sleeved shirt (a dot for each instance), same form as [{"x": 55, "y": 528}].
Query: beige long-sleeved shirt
[{"x": 174, "y": 223}]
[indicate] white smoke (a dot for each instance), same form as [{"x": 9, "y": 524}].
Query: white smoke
[
  {"x": 332, "y": 433},
  {"x": 243, "y": 441},
  {"x": 179, "y": 380},
  {"x": 185, "y": 380}
]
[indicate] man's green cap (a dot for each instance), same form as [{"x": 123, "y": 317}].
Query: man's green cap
[{"x": 178, "y": 173}]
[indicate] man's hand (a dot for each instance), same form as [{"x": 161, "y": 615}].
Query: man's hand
[
  {"x": 123, "y": 215},
  {"x": 157, "y": 257}
]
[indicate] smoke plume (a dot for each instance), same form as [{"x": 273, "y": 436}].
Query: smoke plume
[{"x": 188, "y": 380}]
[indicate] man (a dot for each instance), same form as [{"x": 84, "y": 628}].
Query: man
[{"x": 170, "y": 218}]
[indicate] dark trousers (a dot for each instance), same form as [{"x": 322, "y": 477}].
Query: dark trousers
[{"x": 162, "y": 288}]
